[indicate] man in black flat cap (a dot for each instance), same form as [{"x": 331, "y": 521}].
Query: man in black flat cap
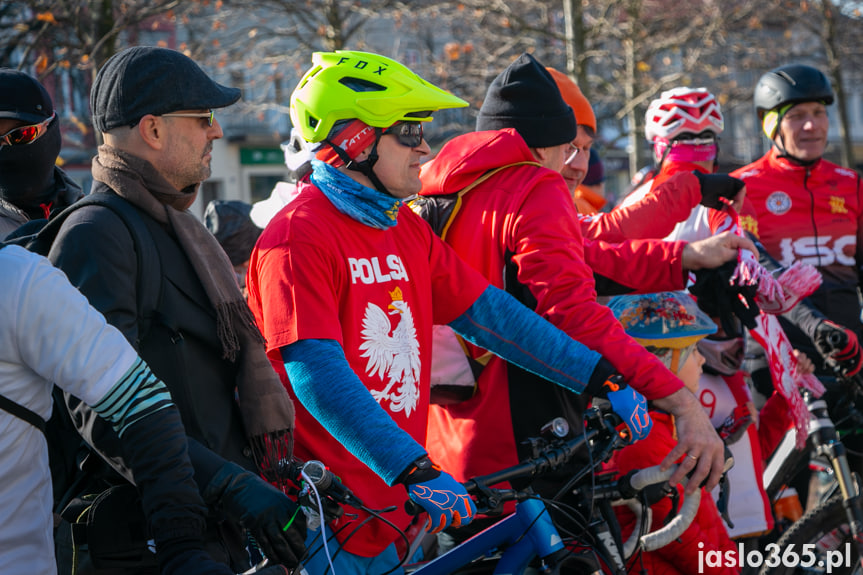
[
  {"x": 31, "y": 186},
  {"x": 154, "y": 107}
]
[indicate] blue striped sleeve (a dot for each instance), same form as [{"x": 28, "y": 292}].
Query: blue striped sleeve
[
  {"x": 136, "y": 395},
  {"x": 497, "y": 322}
]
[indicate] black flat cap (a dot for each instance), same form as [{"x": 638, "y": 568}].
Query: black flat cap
[{"x": 148, "y": 80}]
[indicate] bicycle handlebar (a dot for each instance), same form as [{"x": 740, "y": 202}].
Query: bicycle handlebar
[
  {"x": 549, "y": 459},
  {"x": 668, "y": 533}
]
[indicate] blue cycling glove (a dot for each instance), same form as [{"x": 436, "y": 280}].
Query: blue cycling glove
[
  {"x": 630, "y": 406},
  {"x": 625, "y": 401},
  {"x": 444, "y": 499}
]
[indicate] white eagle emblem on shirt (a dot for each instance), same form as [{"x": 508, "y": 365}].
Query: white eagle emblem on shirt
[{"x": 393, "y": 357}]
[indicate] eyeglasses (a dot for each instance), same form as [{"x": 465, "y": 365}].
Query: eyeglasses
[
  {"x": 210, "y": 116},
  {"x": 26, "y": 134},
  {"x": 408, "y": 134},
  {"x": 574, "y": 151}
]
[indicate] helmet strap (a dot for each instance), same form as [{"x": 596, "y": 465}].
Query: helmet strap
[
  {"x": 780, "y": 145},
  {"x": 365, "y": 167},
  {"x": 675, "y": 361},
  {"x": 340, "y": 152},
  {"x": 783, "y": 153},
  {"x": 661, "y": 160}
]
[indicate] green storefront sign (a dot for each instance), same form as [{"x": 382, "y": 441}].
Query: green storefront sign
[{"x": 258, "y": 156}]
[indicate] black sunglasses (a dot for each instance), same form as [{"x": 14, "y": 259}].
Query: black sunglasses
[{"x": 408, "y": 134}]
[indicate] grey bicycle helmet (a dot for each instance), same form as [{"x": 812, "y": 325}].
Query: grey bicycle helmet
[{"x": 791, "y": 84}]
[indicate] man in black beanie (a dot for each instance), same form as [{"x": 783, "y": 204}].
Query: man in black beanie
[
  {"x": 31, "y": 186},
  {"x": 519, "y": 227}
]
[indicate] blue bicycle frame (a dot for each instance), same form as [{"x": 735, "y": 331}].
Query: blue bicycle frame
[{"x": 527, "y": 533}]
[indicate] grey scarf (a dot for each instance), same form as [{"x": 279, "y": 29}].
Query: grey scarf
[{"x": 266, "y": 408}]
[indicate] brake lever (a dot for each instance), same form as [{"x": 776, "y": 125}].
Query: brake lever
[
  {"x": 722, "y": 500},
  {"x": 493, "y": 502},
  {"x": 674, "y": 495}
]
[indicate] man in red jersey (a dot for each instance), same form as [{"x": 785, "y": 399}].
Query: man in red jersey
[{"x": 804, "y": 208}]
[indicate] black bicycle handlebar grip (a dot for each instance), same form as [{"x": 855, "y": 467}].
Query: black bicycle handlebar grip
[
  {"x": 327, "y": 483},
  {"x": 834, "y": 338},
  {"x": 412, "y": 508}
]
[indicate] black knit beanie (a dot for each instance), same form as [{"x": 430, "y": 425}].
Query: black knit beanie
[{"x": 525, "y": 97}]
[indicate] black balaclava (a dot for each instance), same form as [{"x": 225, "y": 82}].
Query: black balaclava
[{"x": 27, "y": 171}]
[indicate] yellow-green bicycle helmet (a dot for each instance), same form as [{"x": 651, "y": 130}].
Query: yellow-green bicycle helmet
[{"x": 374, "y": 89}]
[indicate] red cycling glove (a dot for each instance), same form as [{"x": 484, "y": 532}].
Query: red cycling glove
[{"x": 841, "y": 345}]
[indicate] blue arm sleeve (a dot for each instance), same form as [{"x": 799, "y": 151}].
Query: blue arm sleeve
[
  {"x": 499, "y": 323},
  {"x": 333, "y": 394}
]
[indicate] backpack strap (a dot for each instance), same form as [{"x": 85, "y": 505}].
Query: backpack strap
[
  {"x": 22, "y": 412},
  {"x": 148, "y": 283},
  {"x": 19, "y": 410},
  {"x": 149, "y": 280},
  {"x": 439, "y": 211}
]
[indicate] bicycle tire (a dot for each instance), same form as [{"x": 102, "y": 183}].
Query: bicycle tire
[{"x": 825, "y": 526}]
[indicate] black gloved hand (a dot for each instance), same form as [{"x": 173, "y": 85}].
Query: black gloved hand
[
  {"x": 721, "y": 298},
  {"x": 839, "y": 344},
  {"x": 715, "y": 186},
  {"x": 194, "y": 562},
  {"x": 262, "y": 509}
]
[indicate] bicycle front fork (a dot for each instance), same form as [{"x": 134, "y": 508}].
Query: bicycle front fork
[
  {"x": 827, "y": 443},
  {"x": 851, "y": 498}
]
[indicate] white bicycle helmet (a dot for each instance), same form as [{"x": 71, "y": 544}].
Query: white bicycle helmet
[
  {"x": 683, "y": 110},
  {"x": 298, "y": 151}
]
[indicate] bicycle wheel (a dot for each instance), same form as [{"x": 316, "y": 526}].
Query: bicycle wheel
[{"x": 825, "y": 527}]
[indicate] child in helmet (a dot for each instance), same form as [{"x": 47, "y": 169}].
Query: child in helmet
[{"x": 669, "y": 324}]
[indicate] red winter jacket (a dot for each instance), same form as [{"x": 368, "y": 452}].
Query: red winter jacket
[
  {"x": 663, "y": 200},
  {"x": 707, "y": 531},
  {"x": 519, "y": 229},
  {"x": 653, "y": 216}
]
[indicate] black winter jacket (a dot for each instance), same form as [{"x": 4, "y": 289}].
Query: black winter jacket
[{"x": 179, "y": 343}]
